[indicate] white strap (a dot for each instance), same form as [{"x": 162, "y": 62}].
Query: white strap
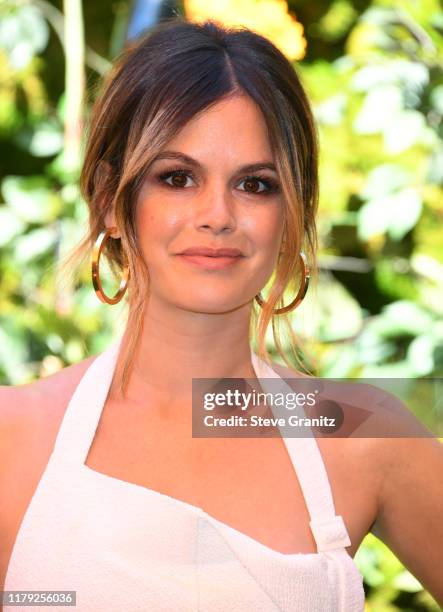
[
  {"x": 328, "y": 529},
  {"x": 83, "y": 412}
]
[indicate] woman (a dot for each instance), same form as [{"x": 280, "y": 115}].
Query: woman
[{"x": 201, "y": 180}]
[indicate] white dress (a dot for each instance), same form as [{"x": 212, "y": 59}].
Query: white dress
[{"x": 123, "y": 547}]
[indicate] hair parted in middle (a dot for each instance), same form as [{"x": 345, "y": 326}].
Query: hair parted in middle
[{"x": 154, "y": 88}]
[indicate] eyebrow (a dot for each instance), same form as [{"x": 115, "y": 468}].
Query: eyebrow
[{"x": 186, "y": 159}]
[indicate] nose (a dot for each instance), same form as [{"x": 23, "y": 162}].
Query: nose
[{"x": 215, "y": 211}]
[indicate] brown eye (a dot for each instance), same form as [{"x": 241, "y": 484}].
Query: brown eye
[
  {"x": 179, "y": 180},
  {"x": 258, "y": 185},
  {"x": 176, "y": 178},
  {"x": 252, "y": 184}
]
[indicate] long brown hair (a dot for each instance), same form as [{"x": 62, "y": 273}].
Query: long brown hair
[{"x": 158, "y": 84}]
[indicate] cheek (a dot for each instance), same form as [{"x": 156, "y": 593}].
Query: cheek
[
  {"x": 156, "y": 224},
  {"x": 266, "y": 230}
]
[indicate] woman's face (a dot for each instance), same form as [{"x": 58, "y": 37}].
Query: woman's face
[{"x": 199, "y": 193}]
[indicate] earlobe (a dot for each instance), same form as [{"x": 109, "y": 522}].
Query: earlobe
[{"x": 110, "y": 222}]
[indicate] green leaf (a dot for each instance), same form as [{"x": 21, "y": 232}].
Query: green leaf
[
  {"x": 31, "y": 198},
  {"x": 436, "y": 98},
  {"x": 378, "y": 109},
  {"x": 372, "y": 220},
  {"x": 384, "y": 179},
  {"x": 331, "y": 111},
  {"x": 403, "y": 131},
  {"x": 10, "y": 226},
  {"x": 405, "y": 581},
  {"x": 372, "y": 347},
  {"x": 435, "y": 170},
  {"x": 340, "y": 362},
  {"x": 13, "y": 352},
  {"x": 395, "y": 214},
  {"x": 399, "y": 369},
  {"x": 332, "y": 299},
  {"x": 407, "y": 317},
  {"x": 420, "y": 354},
  {"x": 23, "y": 34},
  {"x": 44, "y": 140},
  {"x": 408, "y": 75},
  {"x": 367, "y": 561},
  {"x": 34, "y": 243},
  {"x": 405, "y": 208}
]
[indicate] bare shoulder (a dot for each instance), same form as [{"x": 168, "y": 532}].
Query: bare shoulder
[
  {"x": 24, "y": 406},
  {"x": 352, "y": 452},
  {"x": 392, "y": 453},
  {"x": 370, "y": 416},
  {"x": 30, "y": 415}
]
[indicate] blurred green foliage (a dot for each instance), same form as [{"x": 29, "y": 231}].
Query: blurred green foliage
[{"x": 374, "y": 74}]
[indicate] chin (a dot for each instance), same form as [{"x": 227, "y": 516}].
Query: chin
[{"x": 205, "y": 306}]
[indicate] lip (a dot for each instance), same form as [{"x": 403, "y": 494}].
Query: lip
[
  {"x": 210, "y": 262},
  {"x": 211, "y": 252}
]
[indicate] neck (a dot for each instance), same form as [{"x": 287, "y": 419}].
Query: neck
[{"x": 177, "y": 345}]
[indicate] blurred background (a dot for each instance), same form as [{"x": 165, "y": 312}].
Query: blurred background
[{"x": 373, "y": 70}]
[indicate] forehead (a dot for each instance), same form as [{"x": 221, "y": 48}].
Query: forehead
[{"x": 232, "y": 128}]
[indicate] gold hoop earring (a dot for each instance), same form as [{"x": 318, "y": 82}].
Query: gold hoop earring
[
  {"x": 301, "y": 292},
  {"x": 96, "y": 252}
]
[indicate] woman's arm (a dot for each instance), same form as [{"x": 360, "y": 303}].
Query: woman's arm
[
  {"x": 410, "y": 511},
  {"x": 409, "y": 516}
]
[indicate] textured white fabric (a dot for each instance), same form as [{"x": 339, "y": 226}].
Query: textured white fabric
[{"x": 123, "y": 547}]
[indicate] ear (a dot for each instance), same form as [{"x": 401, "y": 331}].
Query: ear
[{"x": 102, "y": 180}]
